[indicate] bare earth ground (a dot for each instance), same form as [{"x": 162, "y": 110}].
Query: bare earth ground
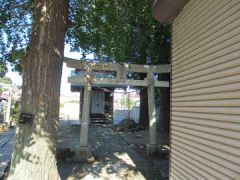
[
  {"x": 159, "y": 165},
  {"x": 115, "y": 156}
]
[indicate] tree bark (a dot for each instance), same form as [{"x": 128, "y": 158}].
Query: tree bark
[
  {"x": 164, "y": 108},
  {"x": 35, "y": 144},
  {"x": 143, "y": 114}
]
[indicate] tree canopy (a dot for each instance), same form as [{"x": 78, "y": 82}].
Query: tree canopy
[
  {"x": 15, "y": 29},
  {"x": 116, "y": 31},
  {"x": 119, "y": 31}
]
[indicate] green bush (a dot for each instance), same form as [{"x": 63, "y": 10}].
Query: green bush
[
  {"x": 127, "y": 102},
  {"x": 5, "y": 80},
  {"x": 15, "y": 111}
]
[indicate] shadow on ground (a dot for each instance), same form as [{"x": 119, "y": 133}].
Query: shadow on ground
[{"x": 114, "y": 158}]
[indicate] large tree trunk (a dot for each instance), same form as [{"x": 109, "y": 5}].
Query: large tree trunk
[
  {"x": 164, "y": 108},
  {"x": 35, "y": 144},
  {"x": 143, "y": 114}
]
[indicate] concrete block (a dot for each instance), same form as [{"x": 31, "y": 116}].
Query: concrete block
[
  {"x": 82, "y": 153},
  {"x": 153, "y": 149}
]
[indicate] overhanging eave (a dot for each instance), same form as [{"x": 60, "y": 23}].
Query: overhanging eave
[{"x": 166, "y": 10}]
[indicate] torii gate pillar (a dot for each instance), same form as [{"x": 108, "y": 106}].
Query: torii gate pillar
[
  {"x": 83, "y": 152},
  {"x": 152, "y": 147},
  {"x": 85, "y": 115}
]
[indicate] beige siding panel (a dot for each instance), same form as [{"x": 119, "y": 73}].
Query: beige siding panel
[
  {"x": 209, "y": 96},
  {"x": 212, "y": 165},
  {"x": 201, "y": 83},
  {"x": 216, "y": 110},
  {"x": 209, "y": 103},
  {"x": 214, "y": 130},
  {"x": 208, "y": 61},
  {"x": 206, "y": 122},
  {"x": 235, "y": 71},
  {"x": 185, "y": 91},
  {"x": 191, "y": 172},
  {"x": 221, "y": 145},
  {"x": 205, "y": 50},
  {"x": 220, "y": 24},
  {"x": 178, "y": 174},
  {"x": 210, "y": 150},
  {"x": 197, "y": 164},
  {"x": 198, "y": 27},
  {"x": 228, "y": 46},
  {"x": 188, "y": 27},
  {"x": 234, "y": 119},
  {"x": 196, "y": 8},
  {"x": 205, "y": 92},
  {"x": 190, "y": 168},
  {"x": 228, "y": 62},
  {"x": 217, "y": 138}
]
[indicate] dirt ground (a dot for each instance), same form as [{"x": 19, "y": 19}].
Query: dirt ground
[
  {"x": 159, "y": 165},
  {"x": 117, "y": 156},
  {"x": 142, "y": 137}
]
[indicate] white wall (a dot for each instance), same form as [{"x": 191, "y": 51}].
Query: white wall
[{"x": 120, "y": 111}]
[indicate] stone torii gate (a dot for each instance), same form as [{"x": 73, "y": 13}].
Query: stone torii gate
[{"x": 90, "y": 80}]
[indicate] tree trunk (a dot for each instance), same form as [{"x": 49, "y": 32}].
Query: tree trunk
[
  {"x": 143, "y": 114},
  {"x": 164, "y": 108},
  {"x": 35, "y": 144}
]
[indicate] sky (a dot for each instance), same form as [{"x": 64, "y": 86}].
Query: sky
[{"x": 65, "y": 86}]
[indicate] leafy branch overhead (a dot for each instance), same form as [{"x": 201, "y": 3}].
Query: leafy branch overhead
[
  {"x": 122, "y": 31},
  {"x": 115, "y": 31},
  {"x": 15, "y": 29}
]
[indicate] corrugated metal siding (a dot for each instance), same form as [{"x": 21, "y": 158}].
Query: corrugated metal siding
[{"x": 205, "y": 109}]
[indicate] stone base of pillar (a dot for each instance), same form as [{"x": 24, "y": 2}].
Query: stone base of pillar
[
  {"x": 153, "y": 150},
  {"x": 82, "y": 153}
]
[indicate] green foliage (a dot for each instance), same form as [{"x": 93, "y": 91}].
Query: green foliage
[
  {"x": 5, "y": 80},
  {"x": 127, "y": 102},
  {"x": 3, "y": 68},
  {"x": 15, "y": 111},
  {"x": 122, "y": 31},
  {"x": 115, "y": 31},
  {"x": 15, "y": 29}
]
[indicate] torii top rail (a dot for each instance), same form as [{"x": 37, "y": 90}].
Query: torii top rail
[{"x": 121, "y": 71}]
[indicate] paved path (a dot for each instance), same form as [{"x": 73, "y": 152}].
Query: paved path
[
  {"x": 6, "y": 144},
  {"x": 116, "y": 159}
]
